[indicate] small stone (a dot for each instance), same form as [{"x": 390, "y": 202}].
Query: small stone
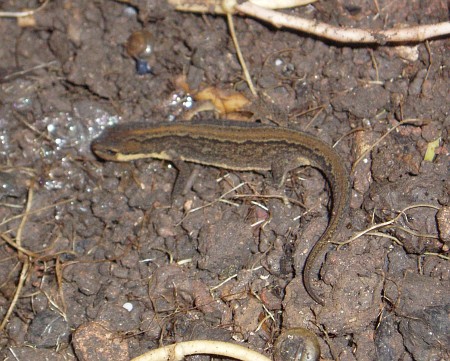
[{"x": 94, "y": 342}]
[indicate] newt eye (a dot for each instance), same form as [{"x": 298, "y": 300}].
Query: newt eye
[
  {"x": 105, "y": 153},
  {"x": 110, "y": 152}
]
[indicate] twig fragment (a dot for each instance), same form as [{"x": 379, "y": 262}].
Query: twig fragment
[
  {"x": 247, "y": 76},
  {"x": 227, "y": 6},
  {"x": 22, "y": 279},
  {"x": 178, "y": 351},
  {"x": 21, "y": 14},
  {"x": 387, "y": 223},
  {"x": 416, "y": 33},
  {"x": 403, "y": 122}
]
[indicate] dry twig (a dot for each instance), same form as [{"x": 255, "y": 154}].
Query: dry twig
[
  {"x": 403, "y": 122},
  {"x": 416, "y": 33},
  {"x": 278, "y": 19},
  {"x": 21, "y": 14},
  {"x": 24, "y": 259},
  {"x": 384, "y": 224},
  {"x": 239, "y": 55},
  {"x": 178, "y": 351}
]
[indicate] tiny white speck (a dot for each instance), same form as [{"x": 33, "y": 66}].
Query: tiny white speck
[
  {"x": 278, "y": 62},
  {"x": 128, "y": 306},
  {"x": 129, "y": 11}
]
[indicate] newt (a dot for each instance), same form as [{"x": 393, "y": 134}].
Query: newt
[{"x": 238, "y": 146}]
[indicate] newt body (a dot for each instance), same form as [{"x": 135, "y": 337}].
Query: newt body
[{"x": 242, "y": 147}]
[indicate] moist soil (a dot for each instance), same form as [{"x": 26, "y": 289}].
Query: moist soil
[{"x": 113, "y": 266}]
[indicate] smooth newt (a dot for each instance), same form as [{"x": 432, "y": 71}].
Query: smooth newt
[{"x": 237, "y": 146}]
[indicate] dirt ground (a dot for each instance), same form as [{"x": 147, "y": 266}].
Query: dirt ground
[{"x": 111, "y": 267}]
